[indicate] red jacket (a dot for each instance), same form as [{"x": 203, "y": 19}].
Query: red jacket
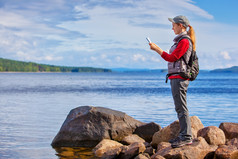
[{"x": 180, "y": 50}]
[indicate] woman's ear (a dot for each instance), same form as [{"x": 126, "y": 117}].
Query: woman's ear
[{"x": 181, "y": 25}]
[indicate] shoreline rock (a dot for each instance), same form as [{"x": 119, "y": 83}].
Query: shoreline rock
[
  {"x": 213, "y": 135},
  {"x": 147, "y": 131},
  {"x": 230, "y": 129},
  {"x": 172, "y": 131},
  {"x": 107, "y": 149},
  {"x": 198, "y": 150},
  {"x": 115, "y": 135},
  {"x": 131, "y": 139},
  {"x": 86, "y": 126}
]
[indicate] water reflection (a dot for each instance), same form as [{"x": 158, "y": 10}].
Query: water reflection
[{"x": 74, "y": 153}]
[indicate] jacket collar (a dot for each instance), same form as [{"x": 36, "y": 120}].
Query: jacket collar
[{"x": 179, "y": 36}]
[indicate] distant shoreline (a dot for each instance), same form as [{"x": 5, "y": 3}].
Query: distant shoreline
[
  {"x": 7, "y": 65},
  {"x": 13, "y": 66}
]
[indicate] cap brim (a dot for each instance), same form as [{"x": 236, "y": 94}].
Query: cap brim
[{"x": 171, "y": 20}]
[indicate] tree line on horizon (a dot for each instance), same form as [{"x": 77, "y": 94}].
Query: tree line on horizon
[{"x": 7, "y": 65}]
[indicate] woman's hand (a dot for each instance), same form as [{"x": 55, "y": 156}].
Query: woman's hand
[{"x": 156, "y": 48}]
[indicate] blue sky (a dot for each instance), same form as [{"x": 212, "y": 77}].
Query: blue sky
[{"x": 111, "y": 33}]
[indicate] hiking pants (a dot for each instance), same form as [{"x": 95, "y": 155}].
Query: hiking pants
[{"x": 179, "y": 91}]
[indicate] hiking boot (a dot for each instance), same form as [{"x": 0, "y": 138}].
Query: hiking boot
[
  {"x": 174, "y": 140},
  {"x": 180, "y": 143}
]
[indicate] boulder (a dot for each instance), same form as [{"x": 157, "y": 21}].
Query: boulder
[
  {"x": 230, "y": 150},
  {"x": 230, "y": 129},
  {"x": 147, "y": 131},
  {"x": 132, "y": 151},
  {"x": 165, "y": 134},
  {"x": 127, "y": 140},
  {"x": 213, "y": 135},
  {"x": 226, "y": 152},
  {"x": 107, "y": 149},
  {"x": 172, "y": 131},
  {"x": 86, "y": 126},
  {"x": 199, "y": 150},
  {"x": 196, "y": 125}
]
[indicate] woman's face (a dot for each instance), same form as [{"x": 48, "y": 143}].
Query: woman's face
[{"x": 177, "y": 28}]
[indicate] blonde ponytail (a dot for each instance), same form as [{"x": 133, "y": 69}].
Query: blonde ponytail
[{"x": 192, "y": 35}]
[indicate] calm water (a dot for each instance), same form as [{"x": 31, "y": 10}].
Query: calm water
[{"x": 33, "y": 106}]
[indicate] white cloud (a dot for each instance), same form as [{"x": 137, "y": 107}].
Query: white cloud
[
  {"x": 139, "y": 57},
  {"x": 23, "y": 26},
  {"x": 127, "y": 24},
  {"x": 93, "y": 58},
  {"x": 155, "y": 59},
  {"x": 103, "y": 56},
  {"x": 118, "y": 58},
  {"x": 32, "y": 57},
  {"x": 52, "y": 58},
  {"x": 225, "y": 55},
  {"x": 190, "y": 8}
]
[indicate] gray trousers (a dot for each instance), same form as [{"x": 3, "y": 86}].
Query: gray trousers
[{"x": 179, "y": 91}]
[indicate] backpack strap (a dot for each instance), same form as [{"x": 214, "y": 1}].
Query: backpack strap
[{"x": 185, "y": 37}]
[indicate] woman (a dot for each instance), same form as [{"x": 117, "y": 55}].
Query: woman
[{"x": 180, "y": 51}]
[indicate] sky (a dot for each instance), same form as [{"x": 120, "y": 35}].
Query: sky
[{"x": 112, "y": 33}]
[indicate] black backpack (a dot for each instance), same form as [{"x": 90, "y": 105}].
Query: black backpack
[{"x": 192, "y": 65}]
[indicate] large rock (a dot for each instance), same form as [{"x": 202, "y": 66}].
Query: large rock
[
  {"x": 86, "y": 126},
  {"x": 172, "y": 131},
  {"x": 107, "y": 149},
  {"x": 165, "y": 134},
  {"x": 131, "y": 139},
  {"x": 199, "y": 149},
  {"x": 147, "y": 131},
  {"x": 230, "y": 129},
  {"x": 213, "y": 135},
  {"x": 226, "y": 152},
  {"x": 230, "y": 150},
  {"x": 132, "y": 150}
]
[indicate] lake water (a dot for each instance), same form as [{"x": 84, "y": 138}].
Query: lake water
[{"x": 33, "y": 106}]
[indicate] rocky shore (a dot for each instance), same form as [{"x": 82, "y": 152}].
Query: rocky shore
[{"x": 115, "y": 135}]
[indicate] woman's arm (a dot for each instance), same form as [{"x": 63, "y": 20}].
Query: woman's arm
[
  {"x": 180, "y": 50},
  {"x": 156, "y": 48}
]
